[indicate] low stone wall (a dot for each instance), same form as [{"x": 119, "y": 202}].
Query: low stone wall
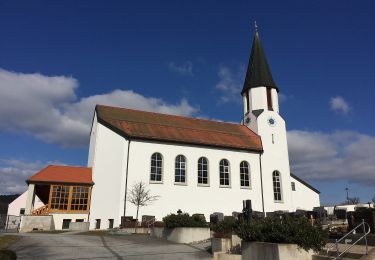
[
  {"x": 184, "y": 235},
  {"x": 140, "y": 230},
  {"x": 225, "y": 244},
  {"x": 272, "y": 251},
  {"x": 29, "y": 223},
  {"x": 79, "y": 226}
]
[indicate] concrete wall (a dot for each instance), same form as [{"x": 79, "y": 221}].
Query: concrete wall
[
  {"x": 79, "y": 226},
  {"x": 28, "y": 223},
  {"x": 303, "y": 197},
  {"x": 16, "y": 205},
  {"x": 183, "y": 235},
  {"x": 59, "y": 217},
  {"x": 271, "y": 251}
]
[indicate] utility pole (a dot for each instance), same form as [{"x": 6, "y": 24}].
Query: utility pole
[{"x": 347, "y": 194}]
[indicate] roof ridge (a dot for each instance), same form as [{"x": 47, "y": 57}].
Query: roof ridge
[
  {"x": 179, "y": 116},
  {"x": 71, "y": 166}
]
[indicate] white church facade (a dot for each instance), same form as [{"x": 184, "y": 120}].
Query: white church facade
[{"x": 194, "y": 165}]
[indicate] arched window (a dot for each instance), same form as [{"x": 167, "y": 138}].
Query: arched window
[
  {"x": 180, "y": 169},
  {"x": 156, "y": 167},
  {"x": 244, "y": 174},
  {"x": 203, "y": 171},
  {"x": 224, "y": 173},
  {"x": 277, "y": 196}
]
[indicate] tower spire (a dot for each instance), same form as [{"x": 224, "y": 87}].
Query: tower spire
[{"x": 258, "y": 73}]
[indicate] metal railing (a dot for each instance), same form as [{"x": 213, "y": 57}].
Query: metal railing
[{"x": 352, "y": 232}]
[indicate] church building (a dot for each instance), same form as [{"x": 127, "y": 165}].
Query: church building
[{"x": 193, "y": 165}]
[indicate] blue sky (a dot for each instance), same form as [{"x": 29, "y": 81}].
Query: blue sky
[{"x": 57, "y": 59}]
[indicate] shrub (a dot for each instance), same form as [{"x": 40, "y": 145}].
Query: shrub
[
  {"x": 225, "y": 227},
  {"x": 184, "y": 220},
  {"x": 287, "y": 230},
  {"x": 7, "y": 255}
]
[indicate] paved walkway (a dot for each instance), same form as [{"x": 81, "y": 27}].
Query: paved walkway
[{"x": 70, "y": 246}]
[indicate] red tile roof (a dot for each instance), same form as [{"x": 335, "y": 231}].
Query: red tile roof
[
  {"x": 62, "y": 174},
  {"x": 135, "y": 124}
]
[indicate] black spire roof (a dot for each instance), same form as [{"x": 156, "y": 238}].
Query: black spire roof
[{"x": 258, "y": 72}]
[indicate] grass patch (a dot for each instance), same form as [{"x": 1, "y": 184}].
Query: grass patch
[
  {"x": 94, "y": 233},
  {"x": 7, "y": 240}
]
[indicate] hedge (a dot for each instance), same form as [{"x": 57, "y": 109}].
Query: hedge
[
  {"x": 286, "y": 230},
  {"x": 184, "y": 220}
]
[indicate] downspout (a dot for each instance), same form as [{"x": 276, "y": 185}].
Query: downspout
[
  {"x": 126, "y": 180},
  {"x": 261, "y": 182}
]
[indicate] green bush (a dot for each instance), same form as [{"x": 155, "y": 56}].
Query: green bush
[
  {"x": 225, "y": 227},
  {"x": 184, "y": 220},
  {"x": 288, "y": 230},
  {"x": 7, "y": 255}
]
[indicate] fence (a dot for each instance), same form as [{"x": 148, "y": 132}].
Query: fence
[{"x": 9, "y": 223}]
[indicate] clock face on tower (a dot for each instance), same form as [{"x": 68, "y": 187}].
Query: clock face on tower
[{"x": 271, "y": 121}]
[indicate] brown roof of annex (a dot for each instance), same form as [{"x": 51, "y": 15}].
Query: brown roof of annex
[
  {"x": 141, "y": 125},
  {"x": 62, "y": 174}
]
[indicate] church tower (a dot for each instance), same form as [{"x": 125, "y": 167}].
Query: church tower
[{"x": 261, "y": 115}]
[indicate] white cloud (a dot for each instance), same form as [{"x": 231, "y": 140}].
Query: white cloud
[
  {"x": 339, "y": 105},
  {"x": 230, "y": 84},
  {"x": 341, "y": 155},
  {"x": 186, "y": 68},
  {"x": 47, "y": 108},
  {"x": 13, "y": 174}
]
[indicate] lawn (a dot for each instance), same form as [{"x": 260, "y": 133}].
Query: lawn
[{"x": 7, "y": 240}]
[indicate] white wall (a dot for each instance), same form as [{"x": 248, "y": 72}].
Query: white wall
[
  {"x": 303, "y": 197},
  {"x": 258, "y": 98},
  {"x": 191, "y": 197},
  {"x": 275, "y": 157},
  {"x": 108, "y": 173},
  {"x": 92, "y": 146},
  {"x": 109, "y": 176},
  {"x": 15, "y": 206}
]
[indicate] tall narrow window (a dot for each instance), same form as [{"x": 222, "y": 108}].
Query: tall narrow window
[
  {"x": 180, "y": 169},
  {"x": 244, "y": 174},
  {"x": 277, "y": 186},
  {"x": 156, "y": 167},
  {"x": 203, "y": 171},
  {"x": 224, "y": 173},
  {"x": 269, "y": 98}
]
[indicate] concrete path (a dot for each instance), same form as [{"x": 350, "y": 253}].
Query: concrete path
[{"x": 65, "y": 246}]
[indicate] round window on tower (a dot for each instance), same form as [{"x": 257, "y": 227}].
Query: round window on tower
[{"x": 271, "y": 121}]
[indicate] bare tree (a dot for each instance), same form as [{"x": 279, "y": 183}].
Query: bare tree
[
  {"x": 352, "y": 201},
  {"x": 140, "y": 196},
  {"x": 373, "y": 199}
]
